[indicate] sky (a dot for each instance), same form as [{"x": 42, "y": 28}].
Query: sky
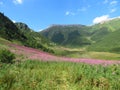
[{"x": 40, "y": 14}]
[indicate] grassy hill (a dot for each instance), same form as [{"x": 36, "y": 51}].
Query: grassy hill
[
  {"x": 99, "y": 37},
  {"x": 33, "y": 38},
  {"x": 112, "y": 25},
  {"x": 102, "y": 29},
  {"x": 74, "y": 35},
  {"x": 109, "y": 43},
  {"x": 106, "y": 36},
  {"x": 8, "y": 29},
  {"x": 20, "y": 33}
]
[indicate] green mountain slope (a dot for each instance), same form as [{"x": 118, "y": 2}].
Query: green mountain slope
[
  {"x": 100, "y": 37},
  {"x": 106, "y": 36},
  {"x": 101, "y": 30},
  {"x": 112, "y": 25},
  {"x": 109, "y": 43},
  {"x": 21, "y": 33},
  {"x": 74, "y": 35},
  {"x": 31, "y": 35},
  {"x": 34, "y": 39},
  {"x": 8, "y": 30}
]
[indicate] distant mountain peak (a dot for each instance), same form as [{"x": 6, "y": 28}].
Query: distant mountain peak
[{"x": 64, "y": 25}]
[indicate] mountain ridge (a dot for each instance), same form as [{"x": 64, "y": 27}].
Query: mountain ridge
[
  {"x": 73, "y": 35},
  {"x": 20, "y": 33},
  {"x": 85, "y": 35}
]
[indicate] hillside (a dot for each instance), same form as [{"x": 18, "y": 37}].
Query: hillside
[
  {"x": 74, "y": 35},
  {"x": 22, "y": 34},
  {"x": 32, "y": 36},
  {"x": 99, "y": 37},
  {"x": 34, "y": 39},
  {"x": 106, "y": 36},
  {"x": 72, "y": 32},
  {"x": 102, "y": 29},
  {"x": 109, "y": 43},
  {"x": 8, "y": 29}
]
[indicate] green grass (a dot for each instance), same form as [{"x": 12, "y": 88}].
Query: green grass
[
  {"x": 35, "y": 75},
  {"x": 3, "y": 43},
  {"x": 83, "y": 53},
  {"x": 110, "y": 43},
  {"x": 80, "y": 52}
]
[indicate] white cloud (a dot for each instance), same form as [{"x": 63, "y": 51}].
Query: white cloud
[
  {"x": 105, "y": 1},
  {"x": 17, "y": 1},
  {"x": 113, "y": 2},
  {"x": 113, "y": 10},
  {"x": 13, "y": 21},
  {"x": 82, "y": 9},
  {"x": 69, "y": 13},
  {"x": 101, "y": 19},
  {"x": 114, "y": 18}
]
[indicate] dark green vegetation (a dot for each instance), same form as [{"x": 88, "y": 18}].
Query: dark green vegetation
[
  {"x": 70, "y": 35},
  {"x": 35, "y": 75},
  {"x": 99, "y": 37},
  {"x": 21, "y": 33},
  {"x": 8, "y": 29},
  {"x": 34, "y": 39},
  {"x": 6, "y": 56}
]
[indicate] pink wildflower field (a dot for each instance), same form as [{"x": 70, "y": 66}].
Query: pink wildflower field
[{"x": 35, "y": 54}]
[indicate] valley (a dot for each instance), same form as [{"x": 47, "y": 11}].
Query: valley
[{"x": 61, "y": 57}]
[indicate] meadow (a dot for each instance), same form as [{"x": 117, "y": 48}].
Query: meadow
[
  {"x": 36, "y": 75},
  {"x": 26, "y": 74},
  {"x": 78, "y": 58},
  {"x": 82, "y": 52}
]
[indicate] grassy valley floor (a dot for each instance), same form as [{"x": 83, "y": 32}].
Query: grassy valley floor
[{"x": 27, "y": 73}]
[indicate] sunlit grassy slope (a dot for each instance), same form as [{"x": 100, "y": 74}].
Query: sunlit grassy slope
[
  {"x": 110, "y": 43},
  {"x": 100, "y": 37}
]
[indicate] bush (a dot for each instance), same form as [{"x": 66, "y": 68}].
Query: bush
[{"x": 6, "y": 56}]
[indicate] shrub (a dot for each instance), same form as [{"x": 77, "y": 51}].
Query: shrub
[{"x": 6, "y": 56}]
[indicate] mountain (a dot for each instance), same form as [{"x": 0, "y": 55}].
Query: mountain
[
  {"x": 34, "y": 39},
  {"x": 73, "y": 35},
  {"x": 102, "y": 29},
  {"x": 106, "y": 36},
  {"x": 110, "y": 43},
  {"x": 99, "y": 37},
  {"x": 31, "y": 35},
  {"x": 8, "y": 29},
  {"x": 20, "y": 32}
]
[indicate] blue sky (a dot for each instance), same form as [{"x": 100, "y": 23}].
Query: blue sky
[{"x": 39, "y": 14}]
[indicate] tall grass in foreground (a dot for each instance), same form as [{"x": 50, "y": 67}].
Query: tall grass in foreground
[{"x": 35, "y": 75}]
